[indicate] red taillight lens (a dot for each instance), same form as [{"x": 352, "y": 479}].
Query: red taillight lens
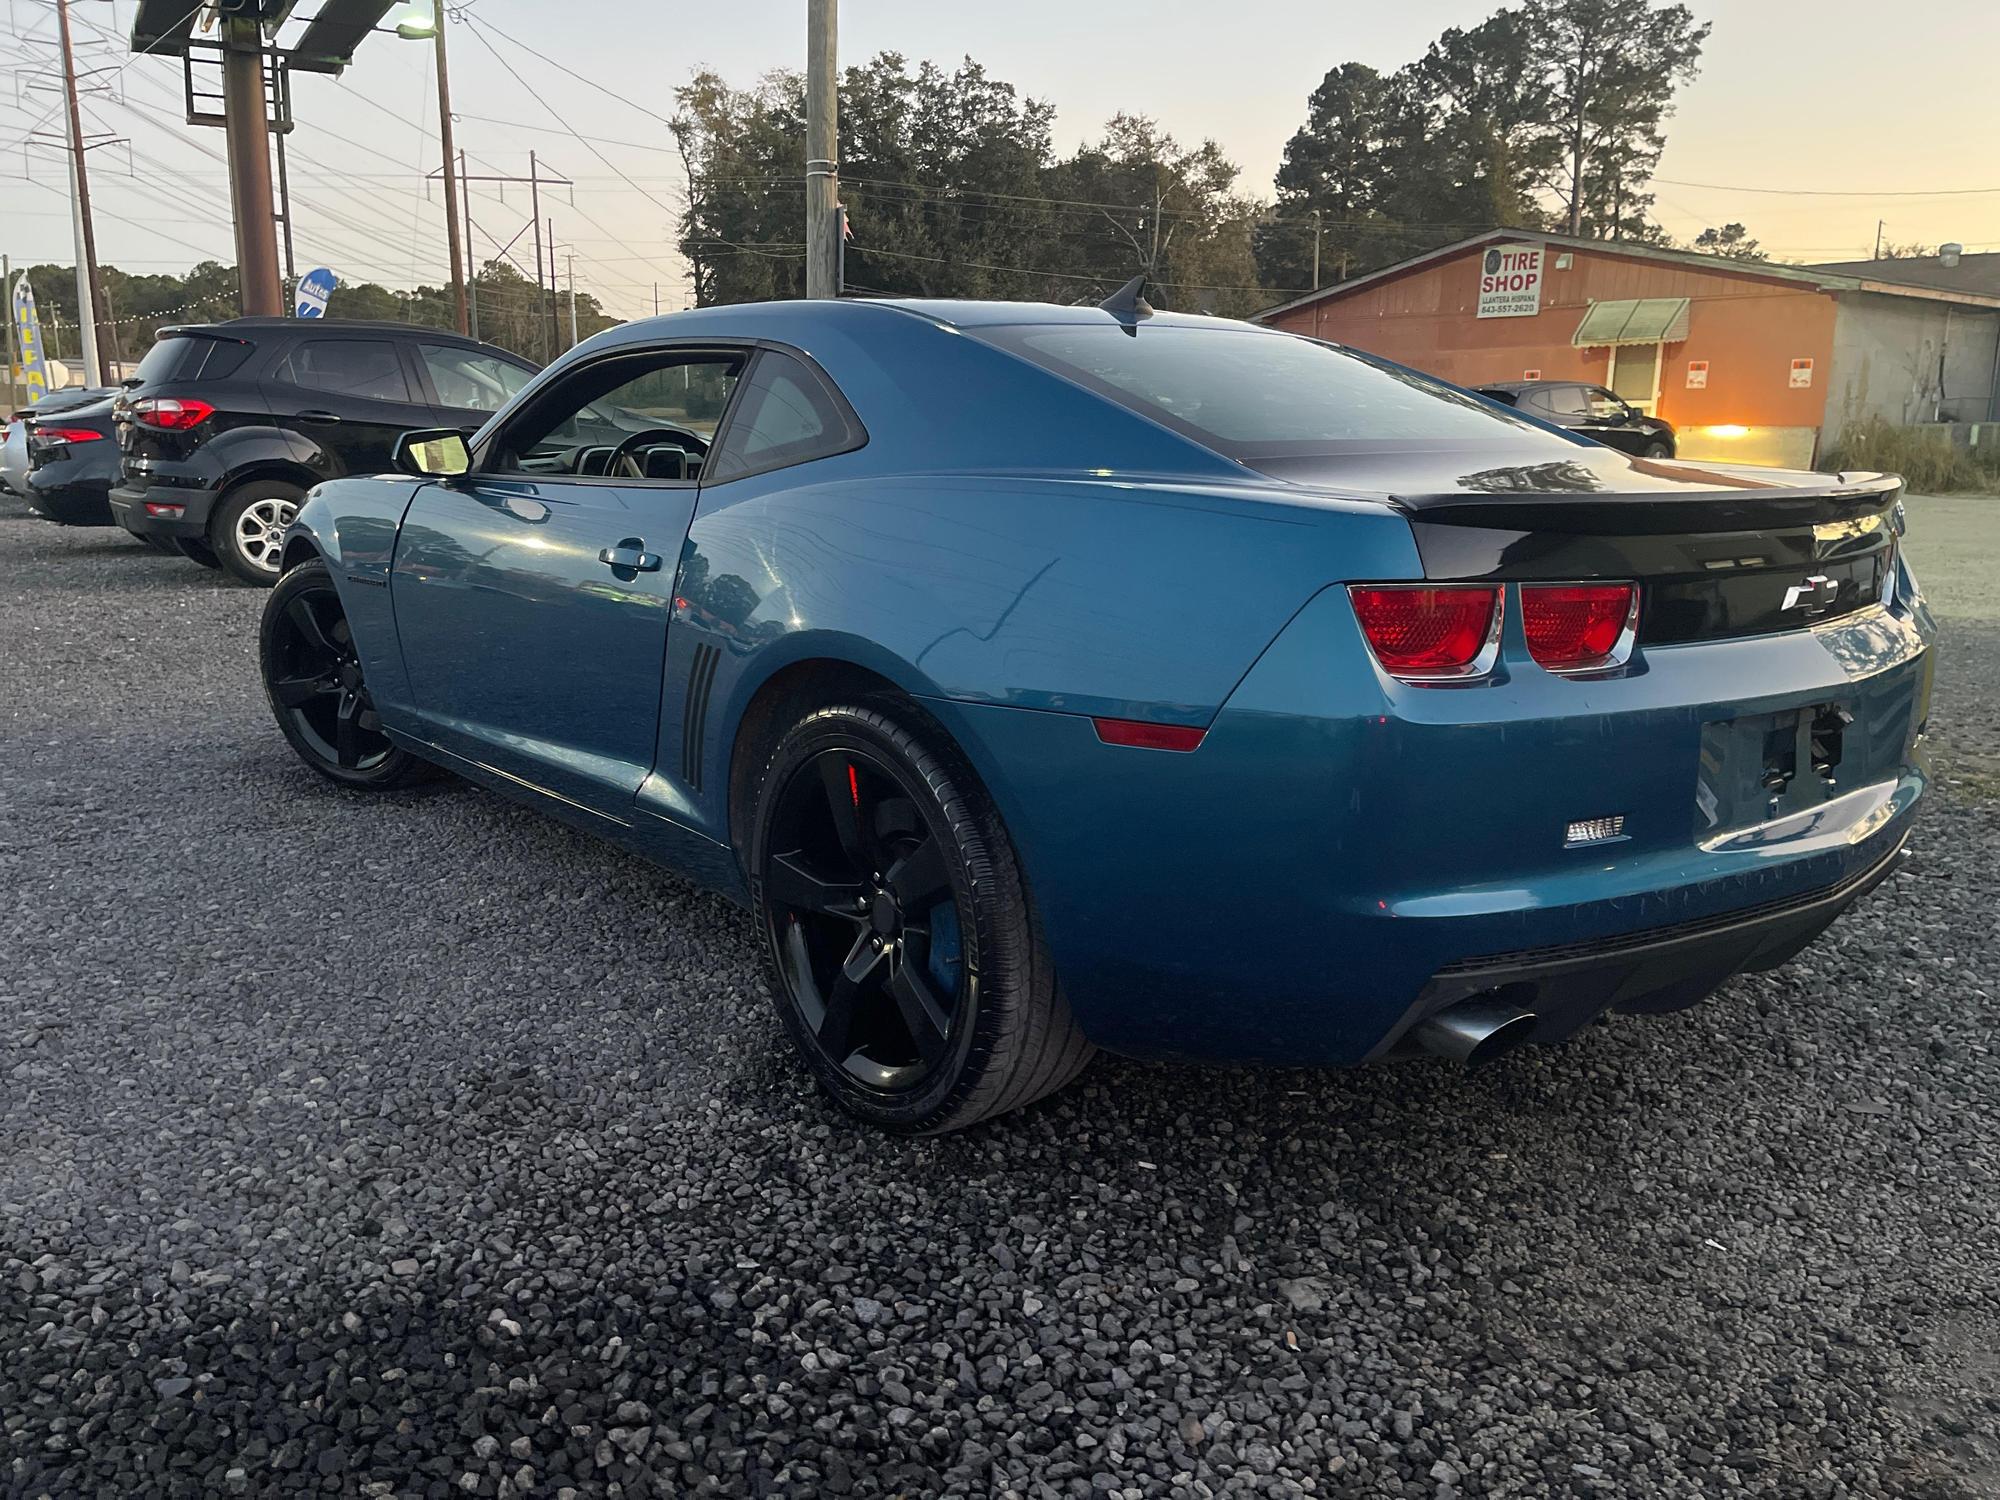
[
  {"x": 1576, "y": 627},
  {"x": 1429, "y": 630},
  {"x": 67, "y": 435},
  {"x": 1144, "y": 736},
  {"x": 171, "y": 414}
]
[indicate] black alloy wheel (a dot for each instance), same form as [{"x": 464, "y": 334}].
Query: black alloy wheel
[
  {"x": 313, "y": 678},
  {"x": 909, "y": 969}
]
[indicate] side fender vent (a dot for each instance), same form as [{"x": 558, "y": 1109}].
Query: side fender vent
[{"x": 694, "y": 715}]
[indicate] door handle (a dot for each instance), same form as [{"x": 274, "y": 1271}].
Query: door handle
[
  {"x": 318, "y": 416},
  {"x": 637, "y": 560}
]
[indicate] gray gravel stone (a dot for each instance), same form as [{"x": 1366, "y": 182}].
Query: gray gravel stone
[{"x": 308, "y": 1102}]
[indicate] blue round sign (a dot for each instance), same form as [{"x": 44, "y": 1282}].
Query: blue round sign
[{"x": 314, "y": 288}]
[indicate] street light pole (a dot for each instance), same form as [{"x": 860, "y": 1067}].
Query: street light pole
[{"x": 822, "y": 150}]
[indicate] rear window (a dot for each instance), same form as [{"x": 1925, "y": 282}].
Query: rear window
[
  {"x": 1243, "y": 392},
  {"x": 163, "y": 360},
  {"x": 191, "y": 356}
]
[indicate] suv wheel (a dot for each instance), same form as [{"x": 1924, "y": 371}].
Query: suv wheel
[{"x": 247, "y": 531}]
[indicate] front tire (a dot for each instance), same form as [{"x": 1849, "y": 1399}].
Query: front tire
[
  {"x": 247, "y": 531},
  {"x": 313, "y": 679},
  {"x": 1657, "y": 449},
  {"x": 907, "y": 963}
]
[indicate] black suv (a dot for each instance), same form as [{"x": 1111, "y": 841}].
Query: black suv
[
  {"x": 224, "y": 427},
  {"x": 1589, "y": 410}
]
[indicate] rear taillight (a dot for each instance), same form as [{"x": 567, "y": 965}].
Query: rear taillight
[
  {"x": 67, "y": 434},
  {"x": 1579, "y": 627},
  {"x": 170, "y": 414},
  {"x": 1430, "y": 632}
]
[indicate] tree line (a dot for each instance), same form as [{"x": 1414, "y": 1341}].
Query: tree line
[
  {"x": 510, "y": 313},
  {"x": 1547, "y": 115}
]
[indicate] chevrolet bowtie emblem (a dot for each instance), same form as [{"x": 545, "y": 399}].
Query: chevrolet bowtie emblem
[{"x": 1817, "y": 593}]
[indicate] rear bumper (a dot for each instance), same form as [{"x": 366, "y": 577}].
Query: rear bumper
[
  {"x": 69, "y": 499},
  {"x": 1341, "y": 856},
  {"x": 128, "y": 508},
  {"x": 1659, "y": 969}
]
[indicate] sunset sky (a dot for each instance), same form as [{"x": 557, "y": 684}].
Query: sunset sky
[{"x": 1808, "y": 122}]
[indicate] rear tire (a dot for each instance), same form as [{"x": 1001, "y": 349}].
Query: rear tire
[
  {"x": 1658, "y": 450},
  {"x": 907, "y": 963},
  {"x": 313, "y": 681},
  {"x": 247, "y": 530}
]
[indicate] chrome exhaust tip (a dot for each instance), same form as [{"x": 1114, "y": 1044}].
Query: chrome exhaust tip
[{"x": 1474, "y": 1032}]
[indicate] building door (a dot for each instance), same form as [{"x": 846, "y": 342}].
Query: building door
[{"x": 1635, "y": 375}]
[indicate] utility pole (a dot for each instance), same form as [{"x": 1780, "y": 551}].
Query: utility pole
[
  {"x": 472, "y": 277},
  {"x": 89, "y": 289},
  {"x": 571, "y": 257},
  {"x": 14, "y": 361},
  {"x": 244, "y": 130},
  {"x": 450, "y": 180},
  {"x": 535, "y": 208},
  {"x": 555, "y": 334},
  {"x": 285, "y": 217},
  {"x": 822, "y": 149},
  {"x": 1315, "y": 249},
  {"x": 1878, "y": 239},
  {"x": 656, "y": 299}
]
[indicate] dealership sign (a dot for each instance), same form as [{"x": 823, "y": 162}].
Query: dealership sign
[{"x": 1510, "y": 281}]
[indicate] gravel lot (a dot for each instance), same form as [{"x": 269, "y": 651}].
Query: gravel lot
[{"x": 428, "y": 1148}]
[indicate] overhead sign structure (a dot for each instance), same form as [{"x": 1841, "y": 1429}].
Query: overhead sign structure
[
  {"x": 1697, "y": 375},
  {"x": 314, "y": 288},
  {"x": 1510, "y": 281},
  {"x": 28, "y": 337}
]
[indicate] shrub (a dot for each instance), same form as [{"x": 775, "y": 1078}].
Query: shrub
[{"x": 1924, "y": 456}]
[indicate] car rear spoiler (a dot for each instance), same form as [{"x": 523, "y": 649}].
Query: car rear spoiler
[{"x": 1758, "y": 506}]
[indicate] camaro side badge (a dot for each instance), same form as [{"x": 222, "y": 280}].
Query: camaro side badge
[{"x": 1817, "y": 592}]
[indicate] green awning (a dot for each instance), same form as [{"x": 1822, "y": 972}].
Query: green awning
[{"x": 1639, "y": 320}]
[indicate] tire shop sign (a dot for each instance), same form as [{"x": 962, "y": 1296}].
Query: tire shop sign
[{"x": 1510, "y": 281}]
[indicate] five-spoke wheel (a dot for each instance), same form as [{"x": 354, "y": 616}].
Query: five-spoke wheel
[
  {"x": 909, "y": 968},
  {"x": 247, "y": 531},
  {"x": 314, "y": 679}
]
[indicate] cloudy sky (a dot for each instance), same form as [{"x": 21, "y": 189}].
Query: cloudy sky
[{"x": 1808, "y": 123}]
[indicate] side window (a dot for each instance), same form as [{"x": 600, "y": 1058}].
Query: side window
[
  {"x": 1565, "y": 400},
  {"x": 786, "y": 416},
  {"x": 1602, "y": 403},
  {"x": 363, "y": 368},
  {"x": 639, "y": 416},
  {"x": 467, "y": 380}
]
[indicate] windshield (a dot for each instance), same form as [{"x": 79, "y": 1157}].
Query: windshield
[{"x": 1249, "y": 393}]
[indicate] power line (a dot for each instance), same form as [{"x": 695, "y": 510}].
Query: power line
[{"x": 1719, "y": 187}]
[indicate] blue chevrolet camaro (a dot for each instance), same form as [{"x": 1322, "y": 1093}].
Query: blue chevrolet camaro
[{"x": 1055, "y": 678}]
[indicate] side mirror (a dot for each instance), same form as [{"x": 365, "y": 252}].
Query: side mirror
[{"x": 433, "y": 453}]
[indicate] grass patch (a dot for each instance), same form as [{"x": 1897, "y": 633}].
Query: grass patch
[{"x": 1928, "y": 462}]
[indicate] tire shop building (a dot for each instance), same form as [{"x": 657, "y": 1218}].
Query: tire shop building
[{"x": 1752, "y": 361}]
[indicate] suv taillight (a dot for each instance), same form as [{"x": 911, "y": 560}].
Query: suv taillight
[
  {"x": 1579, "y": 627},
  {"x": 66, "y": 434},
  {"x": 1430, "y": 632},
  {"x": 170, "y": 414}
]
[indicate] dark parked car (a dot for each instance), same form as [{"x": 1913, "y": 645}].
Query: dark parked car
[
  {"x": 14, "y": 459},
  {"x": 1590, "y": 410},
  {"x": 224, "y": 427}
]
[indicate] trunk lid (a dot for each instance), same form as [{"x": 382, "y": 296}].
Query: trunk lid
[{"x": 1717, "y": 551}]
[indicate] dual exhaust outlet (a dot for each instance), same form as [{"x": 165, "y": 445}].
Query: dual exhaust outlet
[{"x": 1474, "y": 1032}]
